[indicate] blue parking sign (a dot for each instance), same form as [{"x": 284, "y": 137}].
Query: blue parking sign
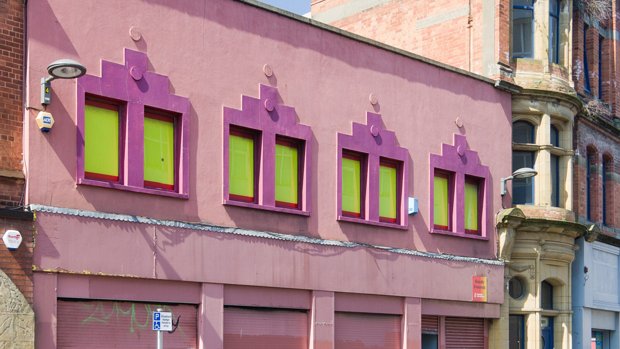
[{"x": 162, "y": 321}]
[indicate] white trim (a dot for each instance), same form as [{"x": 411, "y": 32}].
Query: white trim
[{"x": 606, "y": 248}]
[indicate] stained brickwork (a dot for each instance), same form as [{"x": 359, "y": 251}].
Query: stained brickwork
[
  {"x": 597, "y": 127},
  {"x": 17, "y": 265},
  {"x": 601, "y": 141},
  {"x": 11, "y": 101},
  {"x": 586, "y": 44}
]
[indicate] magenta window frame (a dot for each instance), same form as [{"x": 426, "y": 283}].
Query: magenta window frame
[
  {"x": 449, "y": 176},
  {"x": 461, "y": 163},
  {"x": 120, "y": 108},
  {"x": 363, "y": 160},
  {"x": 299, "y": 145},
  {"x": 272, "y": 120},
  {"x": 375, "y": 143},
  {"x": 135, "y": 88},
  {"x": 255, "y": 136}
]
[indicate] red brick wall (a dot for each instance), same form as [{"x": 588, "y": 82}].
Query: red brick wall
[
  {"x": 11, "y": 191},
  {"x": 424, "y": 28},
  {"x": 502, "y": 23},
  {"x": 605, "y": 149},
  {"x": 11, "y": 112},
  {"x": 610, "y": 74}
]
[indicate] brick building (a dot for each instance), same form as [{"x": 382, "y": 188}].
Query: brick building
[
  {"x": 596, "y": 269},
  {"x": 565, "y": 126},
  {"x": 16, "y": 284}
]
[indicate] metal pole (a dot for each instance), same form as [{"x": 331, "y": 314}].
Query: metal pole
[{"x": 160, "y": 336}]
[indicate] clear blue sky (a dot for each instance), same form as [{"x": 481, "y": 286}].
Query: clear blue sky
[{"x": 297, "y": 6}]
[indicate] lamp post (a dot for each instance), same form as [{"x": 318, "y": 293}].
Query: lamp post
[
  {"x": 60, "y": 69},
  {"x": 522, "y": 173}
]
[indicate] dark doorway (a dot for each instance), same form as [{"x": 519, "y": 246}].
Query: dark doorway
[{"x": 517, "y": 332}]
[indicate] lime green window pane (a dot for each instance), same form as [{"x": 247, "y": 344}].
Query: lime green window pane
[
  {"x": 351, "y": 193},
  {"x": 440, "y": 205},
  {"x": 471, "y": 206},
  {"x": 101, "y": 131},
  {"x": 158, "y": 151},
  {"x": 287, "y": 167},
  {"x": 387, "y": 192},
  {"x": 241, "y": 166}
]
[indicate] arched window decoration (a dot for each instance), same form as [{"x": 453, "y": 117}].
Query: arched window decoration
[
  {"x": 523, "y": 132},
  {"x": 546, "y": 295},
  {"x": 586, "y": 65},
  {"x": 590, "y": 181},
  {"x": 607, "y": 198}
]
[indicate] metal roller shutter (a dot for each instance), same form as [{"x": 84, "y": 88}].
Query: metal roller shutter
[
  {"x": 265, "y": 328},
  {"x": 110, "y": 324},
  {"x": 430, "y": 324},
  {"x": 464, "y": 333},
  {"x": 367, "y": 331}
]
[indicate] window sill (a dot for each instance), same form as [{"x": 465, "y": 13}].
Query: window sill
[
  {"x": 367, "y": 222},
  {"x": 266, "y": 208},
  {"x": 117, "y": 186},
  {"x": 459, "y": 235}
]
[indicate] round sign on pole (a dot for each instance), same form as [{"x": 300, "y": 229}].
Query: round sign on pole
[{"x": 12, "y": 239}]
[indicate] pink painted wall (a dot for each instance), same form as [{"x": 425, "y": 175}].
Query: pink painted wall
[
  {"x": 213, "y": 52},
  {"x": 98, "y": 247}
]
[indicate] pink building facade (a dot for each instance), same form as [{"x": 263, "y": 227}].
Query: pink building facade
[{"x": 245, "y": 273}]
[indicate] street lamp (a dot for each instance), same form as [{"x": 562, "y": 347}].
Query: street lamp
[
  {"x": 61, "y": 69},
  {"x": 522, "y": 173}
]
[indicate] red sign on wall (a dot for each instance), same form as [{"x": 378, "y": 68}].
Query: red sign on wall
[{"x": 479, "y": 289}]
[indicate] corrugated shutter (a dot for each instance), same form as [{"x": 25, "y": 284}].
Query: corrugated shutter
[
  {"x": 367, "y": 331},
  {"x": 110, "y": 324},
  {"x": 430, "y": 324},
  {"x": 265, "y": 328},
  {"x": 464, "y": 333}
]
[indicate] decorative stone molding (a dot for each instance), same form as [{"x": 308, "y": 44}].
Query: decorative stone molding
[
  {"x": 592, "y": 233},
  {"x": 507, "y": 220},
  {"x": 16, "y": 317}
]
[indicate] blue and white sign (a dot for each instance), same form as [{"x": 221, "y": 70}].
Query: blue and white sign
[{"x": 162, "y": 321}]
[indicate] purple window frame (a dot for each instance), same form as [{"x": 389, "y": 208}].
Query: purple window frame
[
  {"x": 134, "y": 89},
  {"x": 362, "y": 158},
  {"x": 271, "y": 120},
  {"x": 461, "y": 163},
  {"x": 375, "y": 143}
]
